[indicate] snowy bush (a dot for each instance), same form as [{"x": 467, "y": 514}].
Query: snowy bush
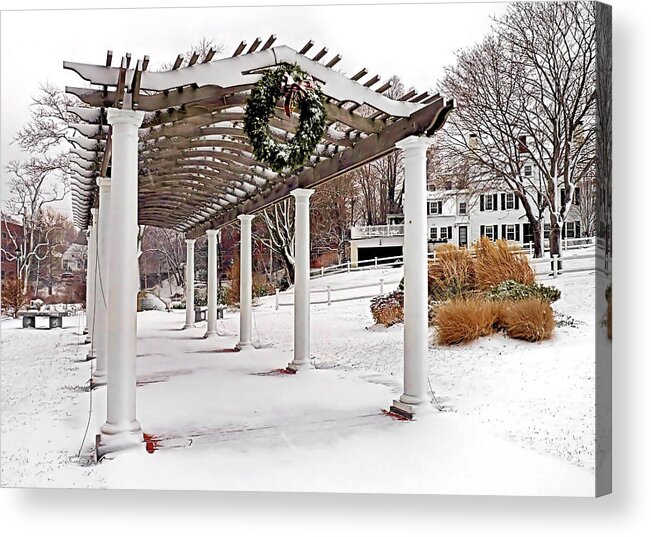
[
  {"x": 531, "y": 320},
  {"x": 451, "y": 274},
  {"x": 513, "y": 291},
  {"x": 464, "y": 320},
  {"x": 497, "y": 262},
  {"x": 388, "y": 309}
]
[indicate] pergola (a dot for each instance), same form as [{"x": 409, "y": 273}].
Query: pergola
[{"x": 167, "y": 149}]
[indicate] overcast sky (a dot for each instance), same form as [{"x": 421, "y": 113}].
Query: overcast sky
[{"x": 412, "y": 41}]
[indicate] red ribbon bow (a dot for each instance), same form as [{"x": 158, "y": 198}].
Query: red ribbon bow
[{"x": 292, "y": 89}]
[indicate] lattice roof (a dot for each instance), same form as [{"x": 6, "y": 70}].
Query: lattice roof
[{"x": 196, "y": 168}]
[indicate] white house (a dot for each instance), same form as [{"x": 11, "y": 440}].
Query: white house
[
  {"x": 459, "y": 217},
  {"x": 74, "y": 258}
]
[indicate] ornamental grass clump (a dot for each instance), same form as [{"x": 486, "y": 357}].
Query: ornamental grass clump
[
  {"x": 497, "y": 262},
  {"x": 513, "y": 291},
  {"x": 530, "y": 320},
  {"x": 464, "y": 320},
  {"x": 388, "y": 309},
  {"x": 451, "y": 274}
]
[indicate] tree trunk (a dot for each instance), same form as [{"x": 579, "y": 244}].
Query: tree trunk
[
  {"x": 538, "y": 238},
  {"x": 555, "y": 241}
]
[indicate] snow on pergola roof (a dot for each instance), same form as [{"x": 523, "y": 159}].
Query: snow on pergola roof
[{"x": 196, "y": 168}]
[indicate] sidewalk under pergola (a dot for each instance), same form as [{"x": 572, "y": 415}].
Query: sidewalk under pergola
[{"x": 168, "y": 149}]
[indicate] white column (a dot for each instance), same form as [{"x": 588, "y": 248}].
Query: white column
[
  {"x": 101, "y": 304},
  {"x": 302, "y": 359},
  {"x": 415, "y": 398},
  {"x": 122, "y": 429},
  {"x": 90, "y": 280},
  {"x": 246, "y": 281},
  {"x": 212, "y": 283},
  {"x": 189, "y": 283},
  {"x": 89, "y": 293}
]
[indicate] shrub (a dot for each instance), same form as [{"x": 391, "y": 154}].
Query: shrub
[
  {"x": 497, "y": 262},
  {"x": 388, "y": 309},
  {"x": 513, "y": 291},
  {"x": 262, "y": 286},
  {"x": 531, "y": 320},
  {"x": 464, "y": 320},
  {"x": 452, "y": 273},
  {"x": 13, "y": 295}
]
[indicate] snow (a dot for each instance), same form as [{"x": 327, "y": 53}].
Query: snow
[{"x": 520, "y": 416}]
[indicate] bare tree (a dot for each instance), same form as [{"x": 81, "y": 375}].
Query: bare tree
[
  {"x": 164, "y": 248},
  {"x": 278, "y": 234},
  {"x": 526, "y": 96},
  {"x": 33, "y": 184}
]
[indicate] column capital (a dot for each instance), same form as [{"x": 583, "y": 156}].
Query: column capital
[
  {"x": 413, "y": 142},
  {"x": 302, "y": 193},
  {"x": 121, "y": 115},
  {"x": 190, "y": 242},
  {"x": 104, "y": 182},
  {"x": 212, "y": 232},
  {"x": 246, "y": 217},
  {"x": 94, "y": 212}
]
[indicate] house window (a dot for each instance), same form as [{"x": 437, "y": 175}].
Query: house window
[
  {"x": 432, "y": 233},
  {"x": 509, "y": 201},
  {"x": 435, "y": 207},
  {"x": 488, "y": 203},
  {"x": 463, "y": 207},
  {"x": 510, "y": 232},
  {"x": 444, "y": 233},
  {"x": 572, "y": 230},
  {"x": 528, "y": 170},
  {"x": 548, "y": 228}
]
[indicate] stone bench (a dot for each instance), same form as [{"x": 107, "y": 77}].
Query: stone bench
[
  {"x": 201, "y": 313},
  {"x": 55, "y": 319}
]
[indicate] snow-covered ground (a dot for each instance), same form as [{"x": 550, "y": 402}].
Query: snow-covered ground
[{"x": 520, "y": 416}]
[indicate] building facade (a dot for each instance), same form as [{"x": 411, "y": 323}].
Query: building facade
[{"x": 459, "y": 217}]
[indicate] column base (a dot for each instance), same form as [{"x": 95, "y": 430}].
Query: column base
[
  {"x": 300, "y": 366},
  {"x": 87, "y": 340},
  {"x": 96, "y": 382},
  {"x": 244, "y": 345},
  {"x": 409, "y": 410},
  {"x": 91, "y": 355},
  {"x": 115, "y": 438},
  {"x": 85, "y": 331},
  {"x": 186, "y": 326},
  {"x": 209, "y": 335}
]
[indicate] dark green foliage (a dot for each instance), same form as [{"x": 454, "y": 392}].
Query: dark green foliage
[
  {"x": 514, "y": 291},
  {"x": 260, "y": 108}
]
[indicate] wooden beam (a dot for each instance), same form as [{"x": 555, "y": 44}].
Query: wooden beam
[{"x": 368, "y": 149}]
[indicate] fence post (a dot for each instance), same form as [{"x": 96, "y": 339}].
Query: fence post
[
  {"x": 531, "y": 248},
  {"x": 375, "y": 261},
  {"x": 382, "y": 286},
  {"x": 347, "y": 266},
  {"x": 329, "y": 295},
  {"x": 555, "y": 265},
  {"x": 277, "y": 298},
  {"x": 322, "y": 271}
]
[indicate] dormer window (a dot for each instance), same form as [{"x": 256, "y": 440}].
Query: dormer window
[
  {"x": 435, "y": 207},
  {"x": 463, "y": 207},
  {"x": 528, "y": 170}
]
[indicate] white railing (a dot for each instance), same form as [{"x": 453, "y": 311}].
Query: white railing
[
  {"x": 367, "y": 232},
  {"x": 397, "y": 261},
  {"x": 329, "y": 294}
]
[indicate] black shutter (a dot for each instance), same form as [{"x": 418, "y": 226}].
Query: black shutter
[
  {"x": 517, "y": 201},
  {"x": 481, "y": 204},
  {"x": 577, "y": 229},
  {"x": 503, "y": 201},
  {"x": 439, "y": 206},
  {"x": 449, "y": 233},
  {"x": 495, "y": 229},
  {"x": 482, "y": 229},
  {"x": 577, "y": 196},
  {"x": 517, "y": 231},
  {"x": 495, "y": 202},
  {"x": 504, "y": 231}
]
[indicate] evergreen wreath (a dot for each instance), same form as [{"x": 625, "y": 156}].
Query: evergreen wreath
[{"x": 299, "y": 90}]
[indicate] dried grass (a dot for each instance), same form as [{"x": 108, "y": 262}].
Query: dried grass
[
  {"x": 452, "y": 273},
  {"x": 497, "y": 262},
  {"x": 464, "y": 320},
  {"x": 530, "y": 320},
  {"x": 388, "y": 309}
]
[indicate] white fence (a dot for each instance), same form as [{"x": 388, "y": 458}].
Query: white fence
[
  {"x": 567, "y": 245},
  {"x": 368, "y": 232},
  {"x": 578, "y": 255}
]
